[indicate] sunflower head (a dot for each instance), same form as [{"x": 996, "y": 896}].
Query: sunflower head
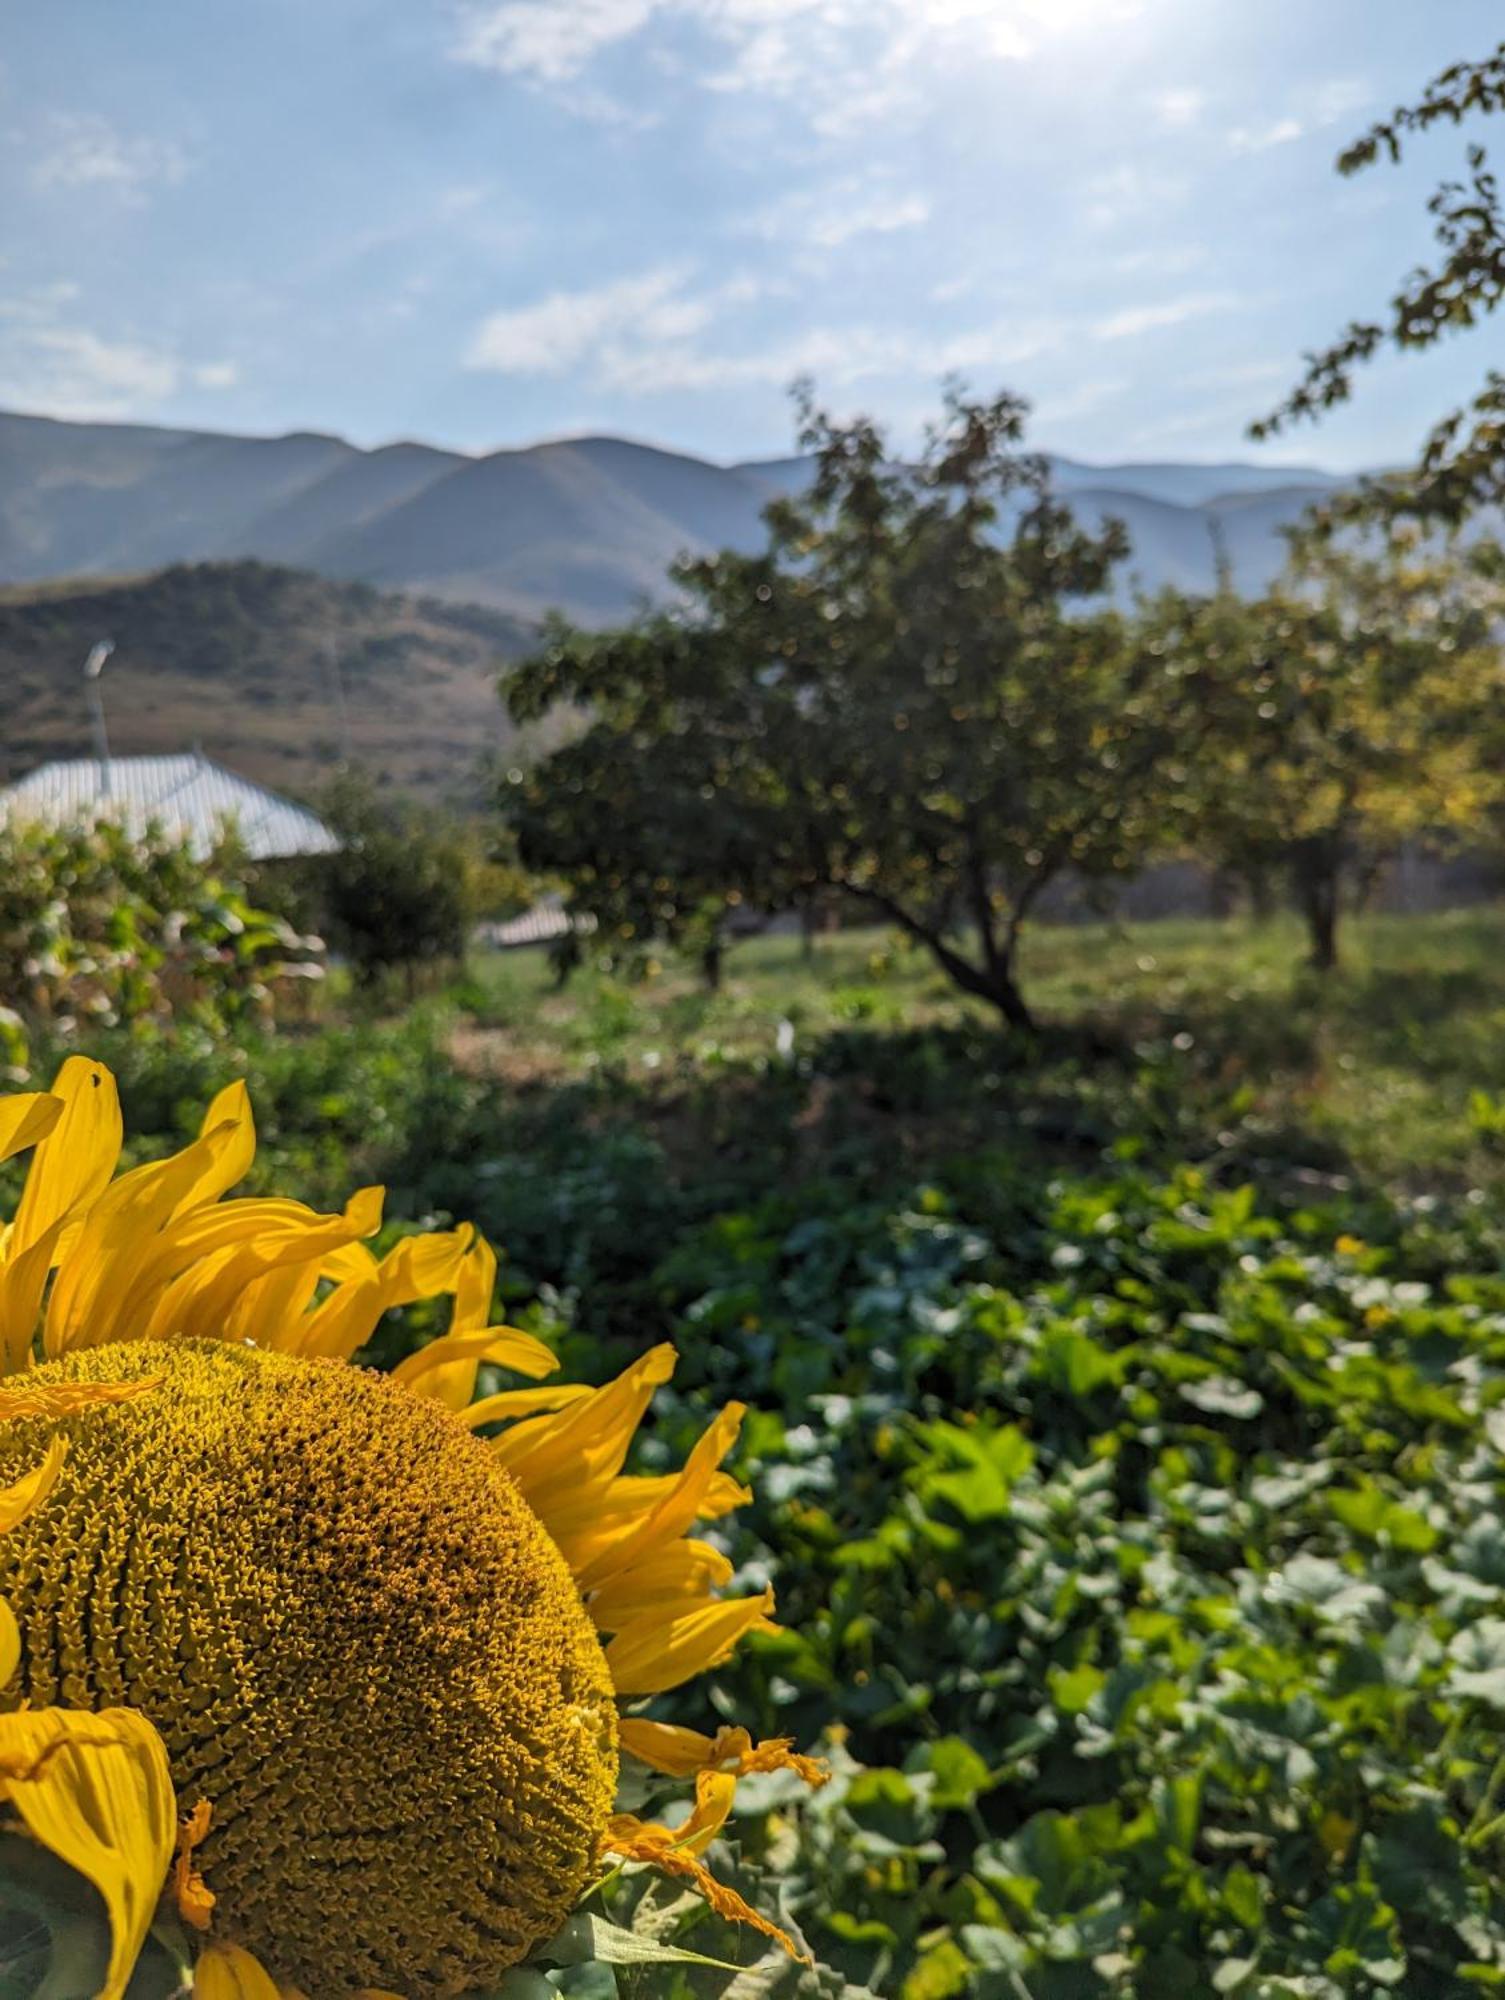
[{"x": 357, "y": 1642}]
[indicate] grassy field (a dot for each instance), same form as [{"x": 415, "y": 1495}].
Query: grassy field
[{"x": 1396, "y": 1063}]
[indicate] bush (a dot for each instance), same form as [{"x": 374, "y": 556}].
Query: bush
[
  {"x": 101, "y": 927},
  {"x": 397, "y": 894}
]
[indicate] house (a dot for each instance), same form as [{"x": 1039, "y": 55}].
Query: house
[{"x": 187, "y": 795}]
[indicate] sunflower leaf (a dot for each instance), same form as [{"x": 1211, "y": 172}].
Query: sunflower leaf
[
  {"x": 54, "y": 1935},
  {"x": 584, "y": 1938}
]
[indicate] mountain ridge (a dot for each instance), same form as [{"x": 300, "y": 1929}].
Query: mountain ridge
[{"x": 587, "y": 525}]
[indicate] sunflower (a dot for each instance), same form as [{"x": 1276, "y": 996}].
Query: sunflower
[{"x": 332, "y": 1661}]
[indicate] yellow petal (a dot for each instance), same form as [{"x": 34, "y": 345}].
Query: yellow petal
[
  {"x": 678, "y": 1850},
  {"x": 23, "y": 1279},
  {"x": 91, "y": 1295},
  {"x": 675, "y": 1514},
  {"x": 452, "y": 1382},
  {"x": 652, "y": 1654},
  {"x": 580, "y": 1452},
  {"x": 195, "y": 1276},
  {"x": 475, "y": 1286},
  {"x": 73, "y": 1164},
  {"x": 683, "y": 1753},
  {"x": 645, "y": 1840},
  {"x": 667, "y": 1583},
  {"x": 448, "y": 1365},
  {"x": 27, "y": 1494},
  {"x": 26, "y": 1118},
  {"x": 23, "y": 1398},
  {"x": 419, "y": 1267},
  {"x": 10, "y": 1644},
  {"x": 512, "y": 1403},
  {"x": 232, "y": 1161},
  {"x": 95, "y": 1790},
  {"x": 229, "y": 1972}
]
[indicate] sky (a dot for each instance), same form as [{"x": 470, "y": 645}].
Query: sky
[{"x": 486, "y": 222}]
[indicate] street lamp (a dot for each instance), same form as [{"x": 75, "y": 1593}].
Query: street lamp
[{"x": 93, "y": 668}]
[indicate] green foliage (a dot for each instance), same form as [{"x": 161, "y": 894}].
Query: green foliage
[
  {"x": 396, "y": 893},
  {"x": 905, "y": 699},
  {"x": 1352, "y": 713},
  {"x": 1461, "y": 468},
  {"x": 98, "y": 927},
  {"x": 1126, "y": 1457}
]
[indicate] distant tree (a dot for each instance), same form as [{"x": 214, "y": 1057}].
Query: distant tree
[
  {"x": 1354, "y": 695},
  {"x": 396, "y": 893},
  {"x": 1463, "y": 463},
  {"x": 905, "y": 697},
  {"x": 649, "y": 833}
]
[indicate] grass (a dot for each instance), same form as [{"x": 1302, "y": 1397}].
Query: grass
[{"x": 1393, "y": 1062}]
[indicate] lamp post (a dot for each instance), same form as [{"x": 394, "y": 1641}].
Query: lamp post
[{"x": 93, "y": 667}]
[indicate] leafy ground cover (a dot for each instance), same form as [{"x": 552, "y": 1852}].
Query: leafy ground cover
[{"x": 1126, "y": 1434}]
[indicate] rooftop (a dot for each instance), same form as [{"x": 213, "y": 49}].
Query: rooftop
[{"x": 187, "y": 795}]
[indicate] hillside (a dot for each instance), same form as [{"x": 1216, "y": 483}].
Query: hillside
[
  {"x": 587, "y": 525},
  {"x": 275, "y": 672}
]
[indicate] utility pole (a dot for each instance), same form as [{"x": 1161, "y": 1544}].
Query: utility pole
[
  {"x": 93, "y": 668},
  {"x": 335, "y": 666}
]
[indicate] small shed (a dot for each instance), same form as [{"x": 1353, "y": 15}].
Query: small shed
[{"x": 189, "y": 796}]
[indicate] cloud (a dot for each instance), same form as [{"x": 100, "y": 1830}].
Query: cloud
[
  {"x": 70, "y": 371},
  {"x": 558, "y": 332},
  {"x": 1126, "y": 192},
  {"x": 838, "y": 214},
  {"x": 55, "y": 364},
  {"x": 549, "y": 40},
  {"x": 1178, "y": 108},
  {"x": 655, "y": 333},
  {"x": 848, "y": 62},
  {"x": 82, "y": 150},
  {"x": 1169, "y": 312},
  {"x": 1326, "y": 104},
  {"x": 1244, "y": 140}
]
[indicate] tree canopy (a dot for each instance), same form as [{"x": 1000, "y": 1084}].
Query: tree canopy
[
  {"x": 1351, "y": 701},
  {"x": 1462, "y": 465},
  {"x": 914, "y": 695}
]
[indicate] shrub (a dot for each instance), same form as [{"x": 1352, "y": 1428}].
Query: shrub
[{"x": 102, "y": 927}]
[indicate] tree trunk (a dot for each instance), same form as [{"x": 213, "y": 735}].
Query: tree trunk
[
  {"x": 993, "y": 982},
  {"x": 711, "y": 966},
  {"x": 1010, "y": 1002},
  {"x": 1322, "y": 927},
  {"x": 1317, "y": 882}
]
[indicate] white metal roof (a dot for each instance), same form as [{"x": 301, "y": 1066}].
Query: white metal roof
[{"x": 189, "y": 795}]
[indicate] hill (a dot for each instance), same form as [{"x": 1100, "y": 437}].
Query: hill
[
  {"x": 273, "y": 671},
  {"x": 588, "y": 525}
]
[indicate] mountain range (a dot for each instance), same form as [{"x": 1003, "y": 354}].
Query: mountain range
[{"x": 584, "y": 525}]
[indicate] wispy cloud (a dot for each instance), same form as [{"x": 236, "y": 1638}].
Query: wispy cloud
[
  {"x": 549, "y": 40},
  {"x": 82, "y": 150},
  {"x": 70, "y": 371},
  {"x": 54, "y": 362},
  {"x": 1324, "y": 104},
  {"x": 556, "y": 333},
  {"x": 1128, "y": 192},
  {"x": 848, "y": 62},
  {"x": 828, "y": 217},
  {"x": 656, "y": 332},
  {"x": 1176, "y": 109},
  {"x": 1135, "y": 320},
  {"x": 1260, "y": 138}
]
